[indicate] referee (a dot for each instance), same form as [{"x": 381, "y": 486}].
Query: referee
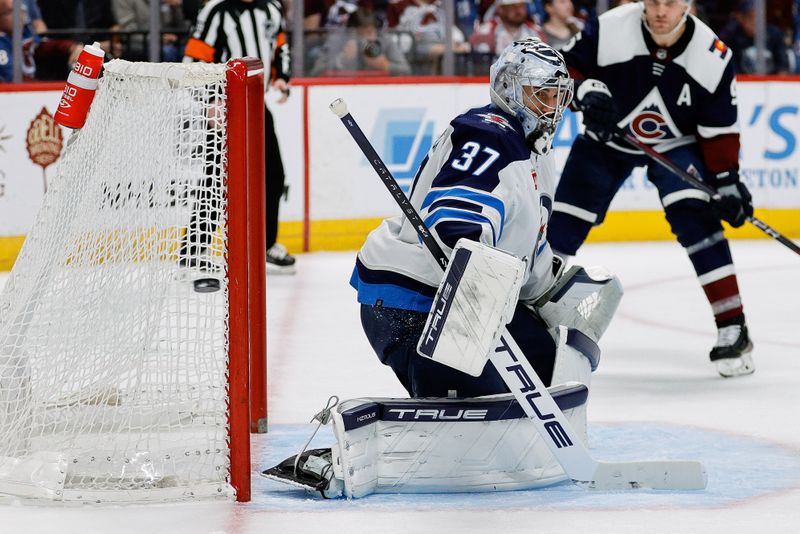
[{"x": 228, "y": 29}]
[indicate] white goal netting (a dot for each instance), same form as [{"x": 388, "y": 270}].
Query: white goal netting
[{"x": 113, "y": 370}]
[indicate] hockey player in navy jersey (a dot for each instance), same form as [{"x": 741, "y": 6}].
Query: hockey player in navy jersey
[
  {"x": 659, "y": 73},
  {"x": 489, "y": 178}
]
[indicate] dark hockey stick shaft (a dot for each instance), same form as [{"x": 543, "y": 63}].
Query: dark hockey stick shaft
[
  {"x": 394, "y": 188},
  {"x": 528, "y": 388},
  {"x": 702, "y": 186}
]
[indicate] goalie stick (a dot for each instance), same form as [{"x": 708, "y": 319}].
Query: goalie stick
[
  {"x": 664, "y": 161},
  {"x": 528, "y": 388}
]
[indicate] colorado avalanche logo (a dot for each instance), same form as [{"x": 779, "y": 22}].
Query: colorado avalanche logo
[
  {"x": 493, "y": 118},
  {"x": 649, "y": 126},
  {"x": 650, "y": 120}
]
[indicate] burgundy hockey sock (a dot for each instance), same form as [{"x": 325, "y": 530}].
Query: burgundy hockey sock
[{"x": 726, "y": 304}]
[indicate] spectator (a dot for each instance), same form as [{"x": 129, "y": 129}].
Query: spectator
[
  {"x": 6, "y": 44},
  {"x": 796, "y": 44},
  {"x": 35, "y": 16},
  {"x": 466, "y": 16},
  {"x": 190, "y": 10},
  {"x": 425, "y": 20},
  {"x": 319, "y": 18},
  {"x": 337, "y": 15},
  {"x": 739, "y": 34},
  {"x": 561, "y": 23},
  {"x": 361, "y": 48},
  {"x": 56, "y": 56},
  {"x": 511, "y": 23},
  {"x": 134, "y": 15}
]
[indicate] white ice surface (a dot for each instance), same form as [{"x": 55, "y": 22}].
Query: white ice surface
[{"x": 654, "y": 395}]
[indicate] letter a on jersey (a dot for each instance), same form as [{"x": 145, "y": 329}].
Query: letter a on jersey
[{"x": 685, "y": 98}]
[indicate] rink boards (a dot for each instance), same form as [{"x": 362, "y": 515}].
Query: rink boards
[{"x": 334, "y": 197}]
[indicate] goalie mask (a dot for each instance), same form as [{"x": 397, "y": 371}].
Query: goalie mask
[{"x": 530, "y": 81}]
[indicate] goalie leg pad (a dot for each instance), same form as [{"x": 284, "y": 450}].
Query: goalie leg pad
[
  {"x": 437, "y": 445},
  {"x": 447, "y": 445},
  {"x": 475, "y": 300}
]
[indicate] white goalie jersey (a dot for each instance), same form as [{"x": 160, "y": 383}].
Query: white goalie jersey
[{"x": 479, "y": 181}]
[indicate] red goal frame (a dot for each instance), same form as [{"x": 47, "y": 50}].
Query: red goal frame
[{"x": 247, "y": 372}]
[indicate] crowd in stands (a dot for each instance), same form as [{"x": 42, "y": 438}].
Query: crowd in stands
[{"x": 369, "y": 37}]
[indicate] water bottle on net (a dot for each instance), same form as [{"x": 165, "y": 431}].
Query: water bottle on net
[{"x": 80, "y": 88}]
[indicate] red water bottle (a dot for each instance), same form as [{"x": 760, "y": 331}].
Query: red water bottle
[{"x": 80, "y": 88}]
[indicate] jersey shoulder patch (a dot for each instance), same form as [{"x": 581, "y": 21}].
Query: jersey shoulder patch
[
  {"x": 706, "y": 57},
  {"x": 494, "y": 118}
]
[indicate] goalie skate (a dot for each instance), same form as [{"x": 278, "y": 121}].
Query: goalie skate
[{"x": 313, "y": 471}]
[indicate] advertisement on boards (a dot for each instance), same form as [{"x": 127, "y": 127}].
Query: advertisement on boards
[{"x": 328, "y": 178}]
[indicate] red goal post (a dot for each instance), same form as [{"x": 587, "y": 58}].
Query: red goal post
[{"x": 247, "y": 264}]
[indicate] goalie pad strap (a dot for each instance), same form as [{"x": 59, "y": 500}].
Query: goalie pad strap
[{"x": 584, "y": 344}]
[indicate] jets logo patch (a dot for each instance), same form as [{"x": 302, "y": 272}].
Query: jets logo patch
[{"x": 493, "y": 118}]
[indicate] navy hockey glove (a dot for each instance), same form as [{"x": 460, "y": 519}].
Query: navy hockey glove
[
  {"x": 599, "y": 110},
  {"x": 735, "y": 204}
]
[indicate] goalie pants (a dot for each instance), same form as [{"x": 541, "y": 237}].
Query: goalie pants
[
  {"x": 205, "y": 214},
  {"x": 394, "y": 333}
]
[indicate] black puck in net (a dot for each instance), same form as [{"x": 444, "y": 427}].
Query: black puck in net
[{"x": 206, "y": 285}]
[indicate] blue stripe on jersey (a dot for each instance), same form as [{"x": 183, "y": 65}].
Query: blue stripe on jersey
[
  {"x": 390, "y": 289},
  {"x": 475, "y": 196},
  {"x": 451, "y": 231},
  {"x": 458, "y": 204},
  {"x": 459, "y": 215}
]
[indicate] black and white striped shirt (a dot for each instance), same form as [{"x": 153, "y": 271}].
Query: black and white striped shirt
[{"x": 228, "y": 29}]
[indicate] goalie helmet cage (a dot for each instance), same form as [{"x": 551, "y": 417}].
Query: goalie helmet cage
[{"x": 118, "y": 381}]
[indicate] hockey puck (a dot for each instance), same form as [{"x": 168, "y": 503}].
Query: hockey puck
[{"x": 206, "y": 285}]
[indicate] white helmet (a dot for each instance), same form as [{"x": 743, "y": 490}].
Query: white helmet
[{"x": 534, "y": 65}]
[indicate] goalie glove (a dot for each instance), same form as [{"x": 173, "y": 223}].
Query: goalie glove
[
  {"x": 599, "y": 110},
  {"x": 735, "y": 204}
]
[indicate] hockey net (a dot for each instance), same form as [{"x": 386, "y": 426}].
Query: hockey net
[{"x": 118, "y": 380}]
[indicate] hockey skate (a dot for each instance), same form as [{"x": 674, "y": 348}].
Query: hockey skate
[
  {"x": 732, "y": 352},
  {"x": 279, "y": 261},
  {"x": 312, "y": 471}
]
